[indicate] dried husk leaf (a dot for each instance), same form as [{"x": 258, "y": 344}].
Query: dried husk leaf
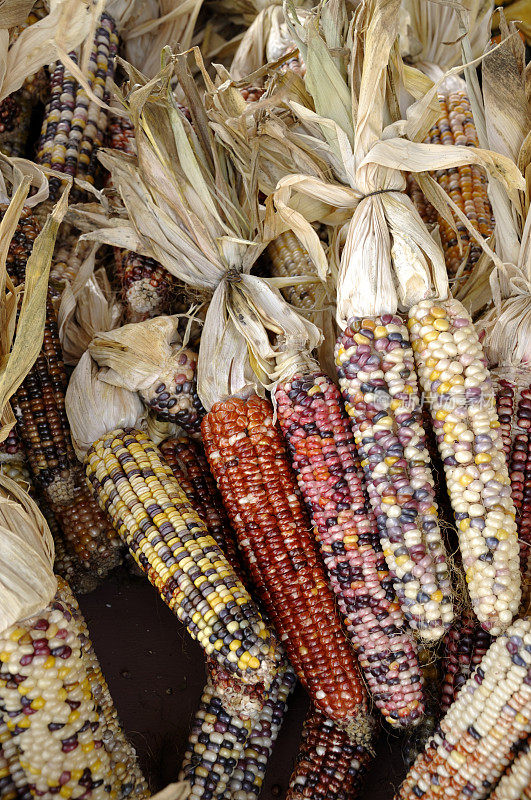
[
  {"x": 27, "y": 582},
  {"x": 96, "y": 408},
  {"x": 19, "y": 353},
  {"x": 174, "y": 791},
  {"x": 87, "y": 306},
  {"x": 13, "y": 11},
  {"x": 134, "y": 355}
]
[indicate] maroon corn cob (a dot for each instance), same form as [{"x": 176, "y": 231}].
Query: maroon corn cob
[
  {"x": 520, "y": 474},
  {"x": 328, "y": 767},
  {"x": 250, "y": 464},
  {"x": 316, "y": 426},
  {"x": 465, "y": 645},
  {"x": 505, "y": 397}
]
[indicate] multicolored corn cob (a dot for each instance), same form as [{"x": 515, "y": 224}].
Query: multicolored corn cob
[
  {"x": 67, "y": 259},
  {"x": 454, "y": 376},
  {"x": 74, "y": 125},
  {"x": 328, "y": 767},
  {"x": 378, "y": 382},
  {"x": 8, "y": 787},
  {"x": 44, "y": 432},
  {"x": 47, "y": 704},
  {"x": 246, "y": 780},
  {"x": 418, "y": 737},
  {"x": 250, "y": 464},
  {"x": 466, "y": 185},
  {"x": 190, "y": 466},
  {"x": 121, "y": 752},
  {"x": 173, "y": 397},
  {"x": 515, "y": 784},
  {"x": 465, "y": 645},
  {"x": 134, "y": 484},
  {"x": 321, "y": 444},
  {"x": 505, "y": 408},
  {"x": 288, "y": 260},
  {"x": 479, "y": 736},
  {"x": 13, "y": 461},
  {"x": 147, "y": 288},
  {"x": 120, "y": 135}
]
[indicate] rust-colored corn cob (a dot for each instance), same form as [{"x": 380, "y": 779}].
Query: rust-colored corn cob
[
  {"x": 42, "y": 426},
  {"x": 190, "y": 467},
  {"x": 466, "y": 185},
  {"x": 249, "y": 461},
  {"x": 453, "y": 374},
  {"x": 515, "y": 784},
  {"x": 49, "y": 709},
  {"x": 328, "y": 767},
  {"x": 168, "y": 540},
  {"x": 479, "y": 736},
  {"x": 251, "y": 93},
  {"x": 120, "y": 135},
  {"x": 316, "y": 426},
  {"x": 74, "y": 126},
  {"x": 378, "y": 382},
  {"x": 465, "y": 645}
]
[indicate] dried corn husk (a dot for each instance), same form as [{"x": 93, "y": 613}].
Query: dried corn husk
[
  {"x": 519, "y": 12},
  {"x": 389, "y": 258},
  {"x": 87, "y": 305},
  {"x": 27, "y": 582}
]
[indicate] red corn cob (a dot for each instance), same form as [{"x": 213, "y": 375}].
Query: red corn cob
[
  {"x": 505, "y": 395},
  {"x": 249, "y": 461},
  {"x": 316, "y": 426},
  {"x": 328, "y": 767}
]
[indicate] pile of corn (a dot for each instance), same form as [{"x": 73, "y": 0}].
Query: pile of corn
[{"x": 358, "y": 529}]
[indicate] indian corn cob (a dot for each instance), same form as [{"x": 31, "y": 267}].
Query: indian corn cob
[
  {"x": 190, "y": 466},
  {"x": 289, "y": 259},
  {"x": 122, "y": 753},
  {"x": 249, "y": 462},
  {"x": 321, "y": 444},
  {"x": 478, "y": 737},
  {"x": 147, "y": 288},
  {"x": 454, "y": 376},
  {"x": 417, "y": 738},
  {"x": 378, "y": 382},
  {"x": 515, "y": 784},
  {"x": 49, "y": 709},
  {"x": 43, "y": 429},
  {"x": 520, "y": 475},
  {"x": 465, "y": 644},
  {"x": 9, "y": 767},
  {"x": 466, "y": 185},
  {"x": 74, "y": 125},
  {"x": 328, "y": 767},
  {"x": 13, "y": 461},
  {"x": 247, "y": 778},
  {"x": 152, "y": 514},
  {"x": 505, "y": 407}
]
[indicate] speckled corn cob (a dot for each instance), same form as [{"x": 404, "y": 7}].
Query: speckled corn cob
[
  {"x": 418, "y": 737},
  {"x": 74, "y": 126},
  {"x": 515, "y": 784},
  {"x": 8, "y": 787},
  {"x": 465, "y": 645},
  {"x": 321, "y": 444},
  {"x": 289, "y": 259},
  {"x": 120, "y": 135},
  {"x": 328, "y": 767},
  {"x": 122, "y": 754},
  {"x": 246, "y": 780},
  {"x": 190, "y": 466},
  {"x": 67, "y": 259},
  {"x": 173, "y": 397},
  {"x": 47, "y": 704},
  {"x": 454, "y": 376},
  {"x": 466, "y": 185},
  {"x": 378, "y": 382},
  {"x": 478, "y": 737},
  {"x": 13, "y": 461},
  {"x": 250, "y": 464},
  {"x": 167, "y": 539},
  {"x": 147, "y": 287},
  {"x": 44, "y": 432}
]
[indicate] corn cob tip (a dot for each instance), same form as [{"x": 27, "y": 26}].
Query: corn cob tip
[
  {"x": 361, "y": 729},
  {"x": 242, "y": 700}
]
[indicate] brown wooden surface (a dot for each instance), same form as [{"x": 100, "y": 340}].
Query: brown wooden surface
[{"x": 156, "y": 674}]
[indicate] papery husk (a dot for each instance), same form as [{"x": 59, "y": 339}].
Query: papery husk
[
  {"x": 134, "y": 355},
  {"x": 22, "y": 326},
  {"x": 519, "y": 12},
  {"x": 389, "y": 260},
  {"x": 96, "y": 408},
  {"x": 174, "y": 791},
  {"x": 69, "y": 23},
  {"x": 27, "y": 582},
  {"x": 148, "y": 26},
  {"x": 88, "y": 305}
]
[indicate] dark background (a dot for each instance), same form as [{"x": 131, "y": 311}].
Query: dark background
[{"x": 156, "y": 674}]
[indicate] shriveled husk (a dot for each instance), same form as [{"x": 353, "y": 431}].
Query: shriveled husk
[
  {"x": 27, "y": 582},
  {"x": 22, "y": 323},
  {"x": 148, "y": 26},
  {"x": 389, "y": 259},
  {"x": 95, "y": 408},
  {"x": 193, "y": 213},
  {"x": 87, "y": 305},
  {"x": 517, "y": 11}
]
